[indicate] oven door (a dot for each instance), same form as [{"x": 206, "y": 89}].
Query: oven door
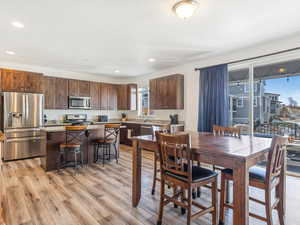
[{"x": 79, "y": 102}]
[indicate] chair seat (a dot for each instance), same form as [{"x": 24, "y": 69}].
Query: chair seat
[
  {"x": 255, "y": 172},
  {"x": 99, "y": 141},
  {"x": 69, "y": 146},
  {"x": 198, "y": 174}
]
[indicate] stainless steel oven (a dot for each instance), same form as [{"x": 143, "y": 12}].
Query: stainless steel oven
[{"x": 79, "y": 102}]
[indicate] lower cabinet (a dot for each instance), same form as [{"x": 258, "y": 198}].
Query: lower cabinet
[
  {"x": 54, "y": 139},
  {"x": 135, "y": 131}
]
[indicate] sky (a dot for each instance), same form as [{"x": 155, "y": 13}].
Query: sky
[{"x": 285, "y": 88}]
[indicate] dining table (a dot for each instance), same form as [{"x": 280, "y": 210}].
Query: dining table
[{"x": 236, "y": 153}]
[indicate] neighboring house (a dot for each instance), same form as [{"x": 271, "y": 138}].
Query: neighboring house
[
  {"x": 271, "y": 106},
  {"x": 265, "y": 104}
]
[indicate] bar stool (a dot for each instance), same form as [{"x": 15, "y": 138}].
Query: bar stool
[
  {"x": 111, "y": 135},
  {"x": 74, "y": 139}
]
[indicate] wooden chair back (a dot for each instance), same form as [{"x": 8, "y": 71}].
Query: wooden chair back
[
  {"x": 175, "y": 153},
  {"x": 111, "y": 131},
  {"x": 75, "y": 134},
  {"x": 276, "y": 158},
  {"x": 226, "y": 131}
]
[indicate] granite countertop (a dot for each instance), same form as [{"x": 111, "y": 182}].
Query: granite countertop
[{"x": 60, "y": 126}]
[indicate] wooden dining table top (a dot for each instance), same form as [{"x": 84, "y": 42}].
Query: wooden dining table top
[{"x": 236, "y": 147}]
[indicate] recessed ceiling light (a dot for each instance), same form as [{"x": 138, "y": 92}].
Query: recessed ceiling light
[
  {"x": 9, "y": 52},
  {"x": 151, "y": 60},
  {"x": 184, "y": 9},
  {"x": 117, "y": 71},
  {"x": 17, "y": 24}
]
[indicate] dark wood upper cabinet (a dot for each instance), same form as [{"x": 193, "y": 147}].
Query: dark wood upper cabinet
[
  {"x": 153, "y": 93},
  {"x": 104, "y": 96},
  {"x": 21, "y": 81},
  {"x": 33, "y": 82},
  {"x": 167, "y": 92},
  {"x": 95, "y": 95},
  {"x": 49, "y": 92},
  {"x": 73, "y": 87},
  {"x": 13, "y": 80},
  {"x": 127, "y": 97},
  {"x": 122, "y": 97},
  {"x": 61, "y": 93},
  {"x": 79, "y": 88},
  {"x": 84, "y": 88},
  {"x": 112, "y": 97}
]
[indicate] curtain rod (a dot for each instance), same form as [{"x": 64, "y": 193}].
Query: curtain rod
[{"x": 256, "y": 57}]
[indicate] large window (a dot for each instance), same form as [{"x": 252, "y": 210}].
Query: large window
[
  {"x": 143, "y": 105},
  {"x": 264, "y": 98}
]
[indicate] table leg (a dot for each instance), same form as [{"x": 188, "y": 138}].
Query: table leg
[
  {"x": 241, "y": 195},
  {"x": 136, "y": 173}
]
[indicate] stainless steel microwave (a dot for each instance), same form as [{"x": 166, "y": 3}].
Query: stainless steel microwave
[{"x": 79, "y": 102}]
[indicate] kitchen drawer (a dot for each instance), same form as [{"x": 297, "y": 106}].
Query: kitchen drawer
[{"x": 19, "y": 148}]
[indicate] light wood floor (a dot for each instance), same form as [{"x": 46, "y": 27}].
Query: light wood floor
[{"x": 101, "y": 195}]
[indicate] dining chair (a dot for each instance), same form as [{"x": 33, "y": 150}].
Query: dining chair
[
  {"x": 164, "y": 129},
  {"x": 73, "y": 142},
  {"x": 111, "y": 135},
  {"x": 265, "y": 179},
  {"x": 177, "y": 169}
]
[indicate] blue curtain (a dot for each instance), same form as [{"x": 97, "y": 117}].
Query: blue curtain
[{"x": 213, "y": 98}]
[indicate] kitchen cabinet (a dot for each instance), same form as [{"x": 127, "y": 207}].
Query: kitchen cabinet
[
  {"x": 167, "y": 92},
  {"x": 104, "y": 96},
  {"x": 61, "y": 93},
  {"x": 21, "y": 81},
  {"x": 33, "y": 82},
  {"x": 122, "y": 97},
  {"x": 135, "y": 131},
  {"x": 127, "y": 97},
  {"x": 112, "y": 97},
  {"x": 95, "y": 92},
  {"x": 13, "y": 80},
  {"x": 49, "y": 92},
  {"x": 79, "y": 88},
  {"x": 84, "y": 88}
]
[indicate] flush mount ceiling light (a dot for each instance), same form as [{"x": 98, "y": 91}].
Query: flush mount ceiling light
[
  {"x": 17, "y": 24},
  {"x": 117, "y": 71},
  {"x": 184, "y": 9},
  {"x": 9, "y": 52},
  {"x": 151, "y": 60}
]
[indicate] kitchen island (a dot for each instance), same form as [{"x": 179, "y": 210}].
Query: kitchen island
[{"x": 57, "y": 135}]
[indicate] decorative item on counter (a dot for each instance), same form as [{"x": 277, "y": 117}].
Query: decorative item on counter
[
  {"x": 124, "y": 117},
  {"x": 174, "y": 118}
]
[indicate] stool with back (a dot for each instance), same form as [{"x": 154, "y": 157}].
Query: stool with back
[
  {"x": 74, "y": 140},
  {"x": 111, "y": 136}
]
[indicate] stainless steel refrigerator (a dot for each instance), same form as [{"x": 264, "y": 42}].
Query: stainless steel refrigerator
[{"x": 22, "y": 120}]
